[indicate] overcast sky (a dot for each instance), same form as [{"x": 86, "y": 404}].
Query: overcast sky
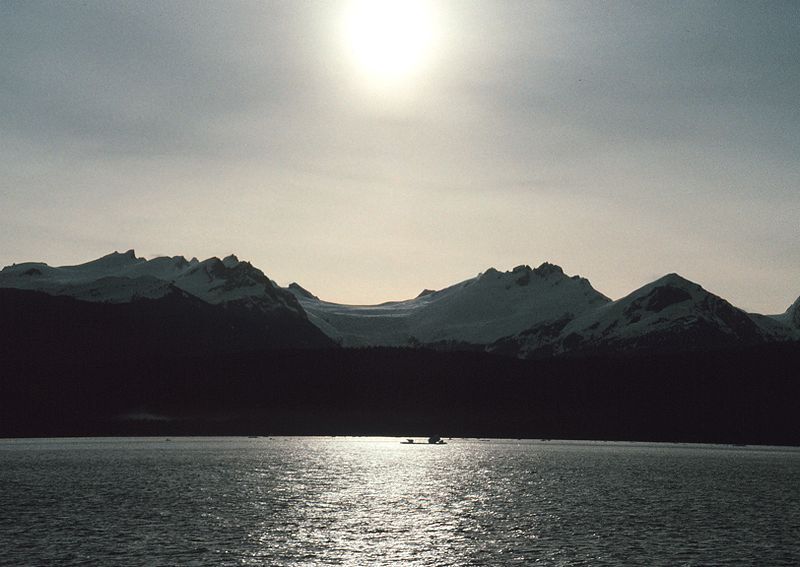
[{"x": 621, "y": 141}]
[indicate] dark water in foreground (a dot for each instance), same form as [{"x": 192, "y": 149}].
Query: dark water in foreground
[{"x": 370, "y": 501}]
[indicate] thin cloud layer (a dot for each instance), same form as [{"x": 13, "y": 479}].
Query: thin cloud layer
[{"x": 621, "y": 140}]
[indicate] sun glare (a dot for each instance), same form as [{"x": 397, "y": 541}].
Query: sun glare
[{"x": 389, "y": 40}]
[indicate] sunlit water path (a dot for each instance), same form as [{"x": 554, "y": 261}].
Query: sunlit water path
[{"x": 374, "y": 501}]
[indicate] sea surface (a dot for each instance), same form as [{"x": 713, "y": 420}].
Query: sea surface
[{"x": 375, "y": 501}]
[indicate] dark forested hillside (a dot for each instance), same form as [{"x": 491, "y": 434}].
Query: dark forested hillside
[
  {"x": 60, "y": 329},
  {"x": 741, "y": 396}
]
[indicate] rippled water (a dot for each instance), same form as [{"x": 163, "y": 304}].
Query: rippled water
[{"x": 368, "y": 501}]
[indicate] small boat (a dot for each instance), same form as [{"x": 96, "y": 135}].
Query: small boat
[{"x": 435, "y": 440}]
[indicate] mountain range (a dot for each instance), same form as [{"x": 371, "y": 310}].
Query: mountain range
[
  {"x": 123, "y": 306},
  {"x": 230, "y": 305},
  {"x": 169, "y": 346}
]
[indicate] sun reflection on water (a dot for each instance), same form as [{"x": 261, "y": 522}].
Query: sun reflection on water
[{"x": 359, "y": 501}]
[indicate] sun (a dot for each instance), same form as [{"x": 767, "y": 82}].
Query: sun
[{"x": 389, "y": 40}]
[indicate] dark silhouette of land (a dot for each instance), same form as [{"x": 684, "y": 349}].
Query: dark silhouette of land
[
  {"x": 732, "y": 397},
  {"x": 124, "y": 374}
]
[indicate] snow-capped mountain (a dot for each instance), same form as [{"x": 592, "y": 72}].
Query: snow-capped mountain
[
  {"x": 122, "y": 277},
  {"x": 669, "y": 314},
  {"x": 523, "y": 312},
  {"x": 236, "y": 289},
  {"x": 477, "y": 311},
  {"x": 543, "y": 312}
]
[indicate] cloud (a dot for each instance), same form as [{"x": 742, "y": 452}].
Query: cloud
[{"x": 206, "y": 128}]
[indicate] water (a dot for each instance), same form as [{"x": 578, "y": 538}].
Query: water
[{"x": 367, "y": 501}]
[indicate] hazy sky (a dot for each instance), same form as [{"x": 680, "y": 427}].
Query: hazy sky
[{"x": 619, "y": 140}]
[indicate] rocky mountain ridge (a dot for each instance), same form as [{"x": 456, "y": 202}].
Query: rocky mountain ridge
[
  {"x": 542, "y": 312},
  {"x": 524, "y": 312}
]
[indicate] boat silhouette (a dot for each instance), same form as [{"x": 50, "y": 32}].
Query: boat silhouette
[{"x": 435, "y": 440}]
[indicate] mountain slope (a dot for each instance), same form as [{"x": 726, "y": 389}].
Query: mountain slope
[
  {"x": 477, "y": 311},
  {"x": 669, "y": 314},
  {"x": 793, "y": 314},
  {"x": 790, "y": 318},
  {"x": 233, "y": 293},
  {"x": 727, "y": 396},
  {"x": 523, "y": 312},
  {"x": 121, "y": 277},
  {"x": 37, "y": 326}
]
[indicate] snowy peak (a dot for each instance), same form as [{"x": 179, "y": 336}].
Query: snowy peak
[
  {"x": 667, "y": 291},
  {"x": 547, "y": 270},
  {"x": 674, "y": 280},
  {"x": 122, "y": 277},
  {"x": 164, "y": 268},
  {"x": 477, "y": 311},
  {"x": 113, "y": 260},
  {"x": 545, "y": 275},
  {"x": 300, "y": 292},
  {"x": 118, "y": 257},
  {"x": 671, "y": 313},
  {"x": 231, "y": 281},
  {"x": 232, "y": 275},
  {"x": 522, "y": 312},
  {"x": 682, "y": 300},
  {"x": 521, "y": 274}
]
